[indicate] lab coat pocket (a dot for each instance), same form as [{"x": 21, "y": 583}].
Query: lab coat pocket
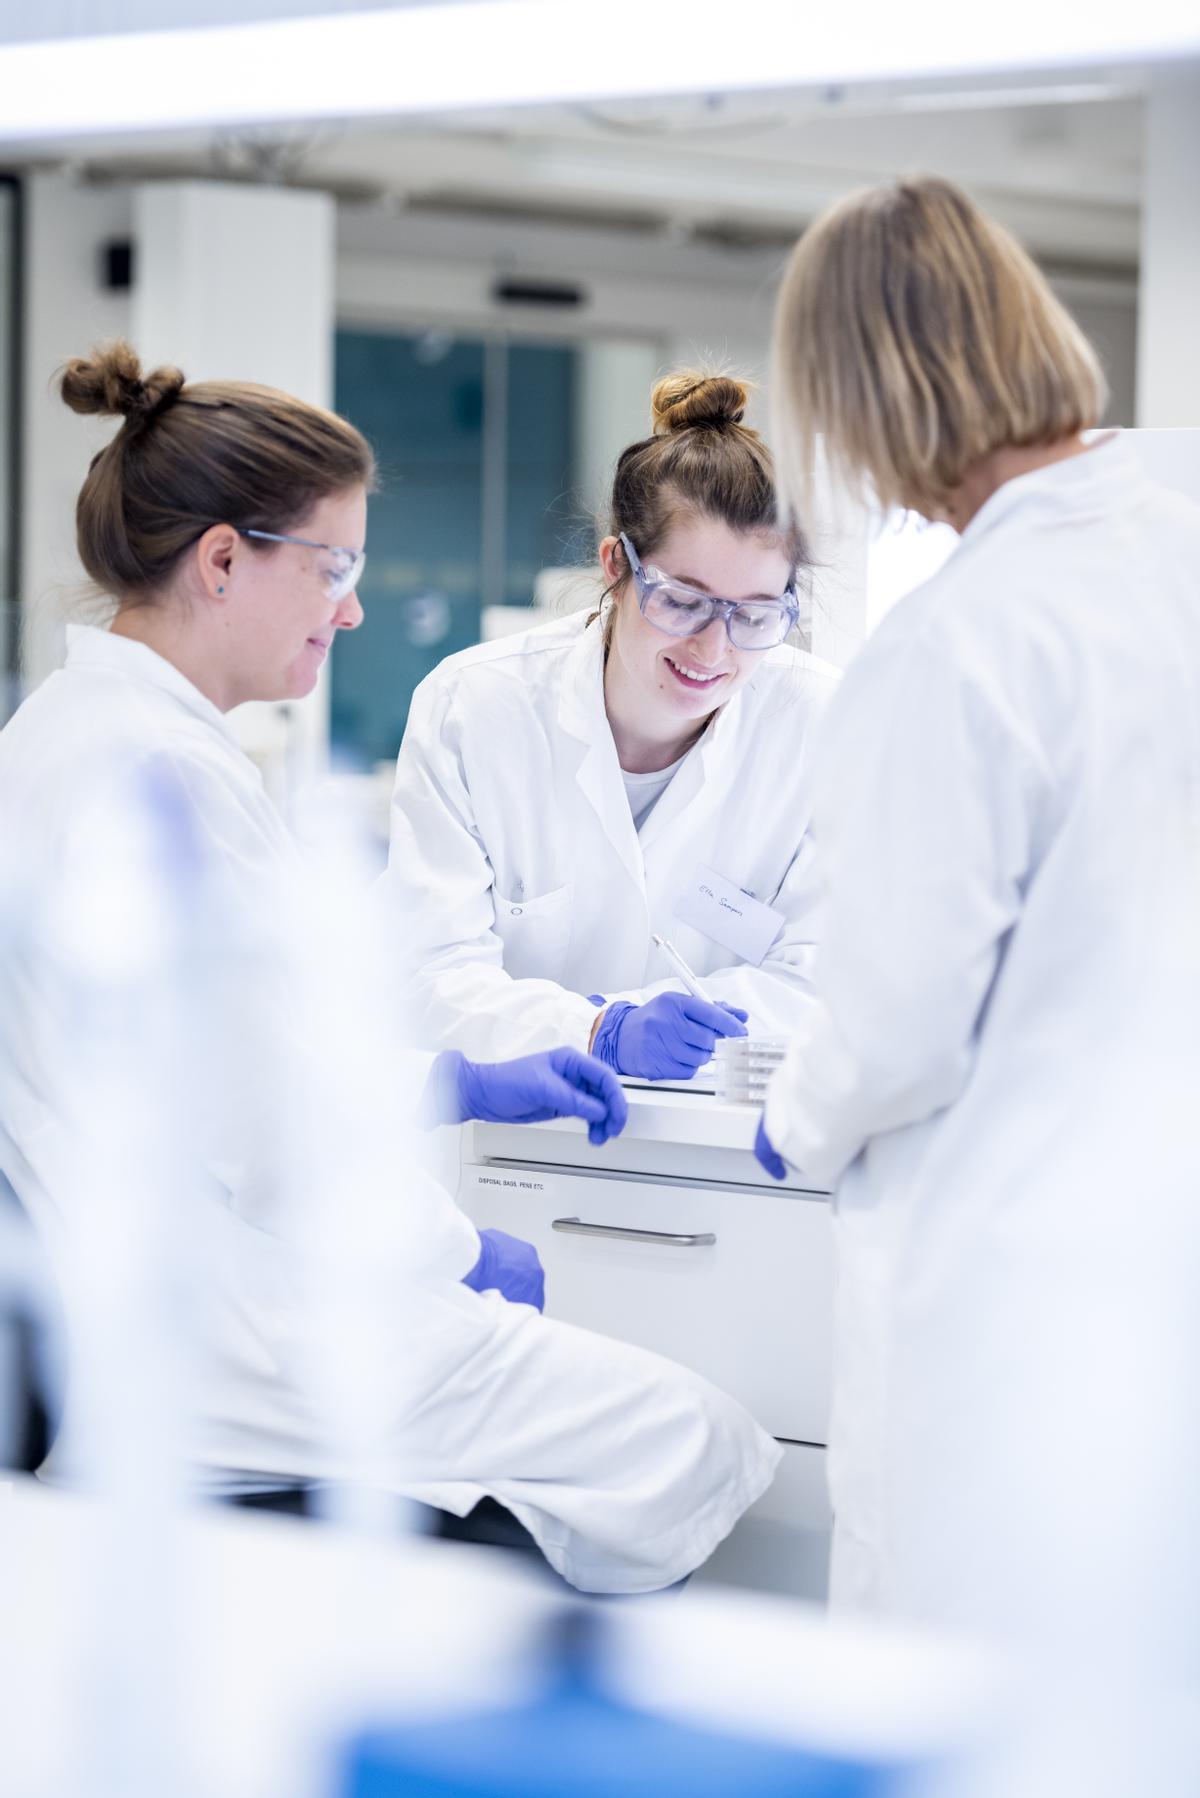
[{"x": 535, "y": 933}]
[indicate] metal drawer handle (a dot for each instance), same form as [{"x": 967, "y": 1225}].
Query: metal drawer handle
[{"x": 571, "y": 1226}]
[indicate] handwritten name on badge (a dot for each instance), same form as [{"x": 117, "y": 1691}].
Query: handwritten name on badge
[
  {"x": 725, "y": 903},
  {"x": 724, "y": 914}
]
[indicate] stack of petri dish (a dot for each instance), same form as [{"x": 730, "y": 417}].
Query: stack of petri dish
[{"x": 745, "y": 1064}]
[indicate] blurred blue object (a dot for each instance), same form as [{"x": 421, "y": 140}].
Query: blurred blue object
[{"x": 577, "y": 1741}]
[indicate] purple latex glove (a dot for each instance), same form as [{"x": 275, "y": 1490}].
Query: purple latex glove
[
  {"x": 509, "y": 1266},
  {"x": 667, "y": 1038},
  {"x": 766, "y": 1154},
  {"x": 558, "y": 1083}
]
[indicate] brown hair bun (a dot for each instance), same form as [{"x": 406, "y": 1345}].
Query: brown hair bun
[
  {"x": 233, "y": 452},
  {"x": 692, "y": 398},
  {"x": 110, "y": 382}
]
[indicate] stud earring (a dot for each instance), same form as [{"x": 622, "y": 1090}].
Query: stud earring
[{"x": 220, "y": 589}]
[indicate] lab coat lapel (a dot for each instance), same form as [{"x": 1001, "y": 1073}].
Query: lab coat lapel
[
  {"x": 699, "y": 782},
  {"x": 582, "y": 717}
]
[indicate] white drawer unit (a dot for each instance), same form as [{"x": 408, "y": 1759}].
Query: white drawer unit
[{"x": 708, "y": 1264}]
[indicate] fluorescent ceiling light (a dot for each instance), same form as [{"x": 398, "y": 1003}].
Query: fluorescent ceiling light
[
  {"x": 1058, "y": 93},
  {"x": 427, "y": 59}
]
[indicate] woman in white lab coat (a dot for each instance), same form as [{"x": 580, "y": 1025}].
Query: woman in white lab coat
[
  {"x": 1000, "y": 1072},
  {"x": 564, "y": 794},
  {"x": 226, "y": 522}
]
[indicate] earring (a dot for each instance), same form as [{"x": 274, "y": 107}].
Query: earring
[{"x": 220, "y": 589}]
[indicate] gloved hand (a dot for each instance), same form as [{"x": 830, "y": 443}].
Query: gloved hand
[
  {"x": 667, "y": 1038},
  {"x": 558, "y": 1083},
  {"x": 767, "y": 1155},
  {"x": 509, "y": 1266}
]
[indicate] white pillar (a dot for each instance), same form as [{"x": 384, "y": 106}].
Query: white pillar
[
  {"x": 66, "y": 310},
  {"x": 237, "y": 283},
  {"x": 613, "y": 410},
  {"x": 1168, "y": 350}
]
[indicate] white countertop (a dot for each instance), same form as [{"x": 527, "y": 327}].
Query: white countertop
[
  {"x": 270, "y": 1638},
  {"x": 689, "y": 1135}
]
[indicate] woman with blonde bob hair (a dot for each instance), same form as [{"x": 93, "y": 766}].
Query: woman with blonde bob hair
[{"x": 1005, "y": 1042}]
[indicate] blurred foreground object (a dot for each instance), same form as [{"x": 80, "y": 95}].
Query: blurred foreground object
[
  {"x": 577, "y": 1737},
  {"x": 297, "y": 1639}
]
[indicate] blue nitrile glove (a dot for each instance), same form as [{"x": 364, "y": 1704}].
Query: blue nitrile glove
[
  {"x": 558, "y": 1083},
  {"x": 509, "y": 1266},
  {"x": 667, "y": 1038},
  {"x": 766, "y": 1154}
]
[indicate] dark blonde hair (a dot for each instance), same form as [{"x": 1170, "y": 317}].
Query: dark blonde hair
[
  {"x": 189, "y": 456},
  {"x": 914, "y": 336},
  {"x": 702, "y": 459}
]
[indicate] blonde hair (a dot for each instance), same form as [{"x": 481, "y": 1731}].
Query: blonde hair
[
  {"x": 191, "y": 455},
  {"x": 914, "y": 336}
]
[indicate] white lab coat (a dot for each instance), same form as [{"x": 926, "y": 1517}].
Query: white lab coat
[
  {"x": 1001, "y": 1070},
  {"x": 519, "y": 882},
  {"x": 627, "y": 1469}
]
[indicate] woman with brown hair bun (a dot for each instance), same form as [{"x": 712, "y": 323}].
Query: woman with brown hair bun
[
  {"x": 564, "y": 795},
  {"x": 1000, "y": 1073},
  {"x": 226, "y": 523}
]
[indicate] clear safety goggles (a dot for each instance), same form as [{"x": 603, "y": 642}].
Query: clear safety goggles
[
  {"x": 683, "y": 611},
  {"x": 342, "y": 574}
]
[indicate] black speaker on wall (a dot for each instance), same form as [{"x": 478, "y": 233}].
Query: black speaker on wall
[{"x": 116, "y": 265}]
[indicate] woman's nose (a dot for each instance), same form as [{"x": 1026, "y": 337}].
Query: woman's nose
[
  {"x": 349, "y": 614},
  {"x": 710, "y": 643}
]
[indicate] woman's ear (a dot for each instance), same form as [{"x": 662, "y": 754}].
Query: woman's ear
[
  {"x": 214, "y": 558},
  {"x": 612, "y": 561}
]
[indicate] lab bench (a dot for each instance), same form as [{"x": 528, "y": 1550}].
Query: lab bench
[{"x": 672, "y": 1237}]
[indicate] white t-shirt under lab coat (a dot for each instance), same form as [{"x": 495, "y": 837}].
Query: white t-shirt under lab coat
[
  {"x": 1002, "y": 1070},
  {"x": 518, "y": 878},
  {"x": 627, "y": 1469},
  {"x": 644, "y": 791}
]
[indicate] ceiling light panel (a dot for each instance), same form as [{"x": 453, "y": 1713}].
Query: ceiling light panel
[{"x": 429, "y": 59}]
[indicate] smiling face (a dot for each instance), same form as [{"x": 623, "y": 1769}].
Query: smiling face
[
  {"x": 659, "y": 689},
  {"x": 283, "y": 617}
]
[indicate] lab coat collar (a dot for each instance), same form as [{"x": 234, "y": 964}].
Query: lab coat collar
[
  {"x": 1082, "y": 485},
  {"x": 701, "y": 768},
  {"x": 581, "y": 698},
  {"x": 91, "y": 647},
  {"x": 581, "y": 715}
]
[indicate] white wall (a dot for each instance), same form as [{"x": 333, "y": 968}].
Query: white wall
[
  {"x": 615, "y": 379},
  {"x": 66, "y": 310},
  {"x": 1169, "y": 354},
  {"x": 236, "y": 283}
]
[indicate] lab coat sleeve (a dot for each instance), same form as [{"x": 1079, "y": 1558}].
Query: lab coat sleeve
[
  {"x": 254, "y": 1004},
  {"x": 929, "y": 789},
  {"x": 438, "y": 892}
]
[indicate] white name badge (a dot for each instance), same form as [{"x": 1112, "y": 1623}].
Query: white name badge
[{"x": 723, "y": 913}]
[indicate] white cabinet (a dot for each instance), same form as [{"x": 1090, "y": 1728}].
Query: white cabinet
[
  {"x": 732, "y": 1281},
  {"x": 781, "y": 1545},
  {"x": 672, "y": 1237}
]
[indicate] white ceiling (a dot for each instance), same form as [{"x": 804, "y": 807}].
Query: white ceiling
[
  {"x": 1065, "y": 175},
  {"x": 1060, "y": 165}
]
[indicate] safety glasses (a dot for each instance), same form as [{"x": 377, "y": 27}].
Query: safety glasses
[
  {"x": 343, "y": 573},
  {"x": 683, "y": 611}
]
